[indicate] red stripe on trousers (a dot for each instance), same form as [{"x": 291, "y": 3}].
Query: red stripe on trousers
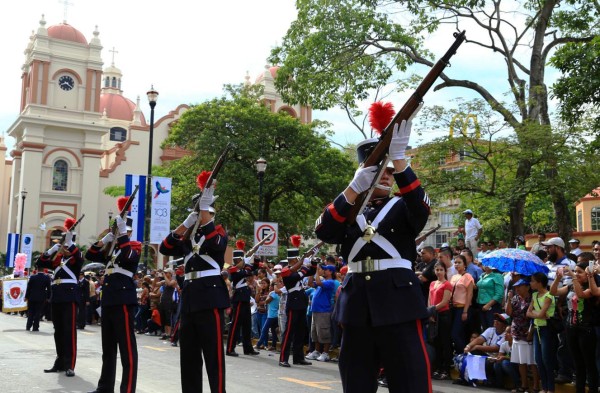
[
  {"x": 287, "y": 335},
  {"x": 129, "y": 350},
  {"x": 420, "y": 333},
  {"x": 219, "y": 348},
  {"x": 232, "y": 333},
  {"x": 73, "y": 337}
]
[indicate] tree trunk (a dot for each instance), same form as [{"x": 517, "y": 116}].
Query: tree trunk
[
  {"x": 561, "y": 207},
  {"x": 517, "y": 205}
]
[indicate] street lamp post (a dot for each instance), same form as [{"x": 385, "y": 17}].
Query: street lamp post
[
  {"x": 110, "y": 214},
  {"x": 152, "y": 97},
  {"x": 23, "y": 196},
  {"x": 261, "y": 167}
]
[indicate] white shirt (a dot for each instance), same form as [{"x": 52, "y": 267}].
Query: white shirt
[
  {"x": 472, "y": 227},
  {"x": 576, "y": 251}
]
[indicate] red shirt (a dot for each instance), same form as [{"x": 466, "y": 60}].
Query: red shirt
[{"x": 436, "y": 295}]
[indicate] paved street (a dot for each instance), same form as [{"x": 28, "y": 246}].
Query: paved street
[{"x": 24, "y": 355}]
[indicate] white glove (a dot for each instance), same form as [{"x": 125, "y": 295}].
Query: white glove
[
  {"x": 401, "y": 136},
  {"x": 190, "y": 221},
  {"x": 208, "y": 197},
  {"x": 306, "y": 262},
  {"x": 363, "y": 177},
  {"x": 68, "y": 239},
  {"x": 53, "y": 249},
  {"x": 108, "y": 238},
  {"x": 121, "y": 225}
]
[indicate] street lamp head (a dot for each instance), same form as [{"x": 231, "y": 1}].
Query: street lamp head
[
  {"x": 23, "y": 194},
  {"x": 261, "y": 165},
  {"x": 110, "y": 214},
  {"x": 152, "y": 96}
]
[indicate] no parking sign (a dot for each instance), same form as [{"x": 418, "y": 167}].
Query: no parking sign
[{"x": 262, "y": 230}]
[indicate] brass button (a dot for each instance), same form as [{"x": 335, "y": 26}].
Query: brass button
[
  {"x": 367, "y": 278},
  {"x": 410, "y": 283}
]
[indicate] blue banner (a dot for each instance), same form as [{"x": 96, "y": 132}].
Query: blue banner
[
  {"x": 12, "y": 247},
  {"x": 138, "y": 205}
]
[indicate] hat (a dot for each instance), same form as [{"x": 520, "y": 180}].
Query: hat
[
  {"x": 328, "y": 267},
  {"x": 294, "y": 252},
  {"x": 364, "y": 148},
  {"x": 468, "y": 211},
  {"x": 239, "y": 251},
  {"x": 555, "y": 241},
  {"x": 502, "y": 318},
  {"x": 521, "y": 281},
  {"x": 521, "y": 239},
  {"x": 169, "y": 270},
  {"x": 574, "y": 241},
  {"x": 277, "y": 269}
]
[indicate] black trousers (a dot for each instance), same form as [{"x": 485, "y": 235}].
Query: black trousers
[
  {"x": 201, "y": 334},
  {"x": 34, "y": 313},
  {"x": 293, "y": 336},
  {"x": 582, "y": 342},
  {"x": 81, "y": 314},
  {"x": 399, "y": 348},
  {"x": 65, "y": 334},
  {"x": 117, "y": 332},
  {"x": 241, "y": 318}
]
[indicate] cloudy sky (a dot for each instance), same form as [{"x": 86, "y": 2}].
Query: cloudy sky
[{"x": 189, "y": 50}]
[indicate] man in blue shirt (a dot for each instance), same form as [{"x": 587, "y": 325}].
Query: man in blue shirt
[{"x": 321, "y": 313}]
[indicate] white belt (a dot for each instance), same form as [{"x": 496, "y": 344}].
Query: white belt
[
  {"x": 58, "y": 281},
  {"x": 294, "y": 289},
  {"x": 241, "y": 284},
  {"x": 202, "y": 273},
  {"x": 371, "y": 265},
  {"x": 119, "y": 270}
]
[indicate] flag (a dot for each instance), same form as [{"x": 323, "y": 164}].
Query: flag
[
  {"x": 12, "y": 247},
  {"x": 138, "y": 205}
]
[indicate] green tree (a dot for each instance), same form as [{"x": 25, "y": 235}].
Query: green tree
[
  {"x": 337, "y": 51},
  {"x": 303, "y": 172}
]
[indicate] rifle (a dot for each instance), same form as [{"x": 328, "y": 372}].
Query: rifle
[
  {"x": 253, "y": 250},
  {"x": 213, "y": 175},
  {"x": 308, "y": 254},
  {"x": 380, "y": 151},
  {"x": 109, "y": 248},
  {"x": 426, "y": 234}
]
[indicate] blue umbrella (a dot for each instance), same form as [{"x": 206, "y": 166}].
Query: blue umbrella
[{"x": 514, "y": 260}]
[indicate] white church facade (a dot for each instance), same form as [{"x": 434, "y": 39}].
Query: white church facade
[{"x": 77, "y": 134}]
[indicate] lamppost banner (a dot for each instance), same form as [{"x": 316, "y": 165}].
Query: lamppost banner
[
  {"x": 12, "y": 247},
  {"x": 138, "y": 206},
  {"x": 27, "y": 248},
  {"x": 160, "y": 215}
]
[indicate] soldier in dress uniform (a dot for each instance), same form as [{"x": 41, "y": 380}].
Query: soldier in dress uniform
[
  {"x": 66, "y": 260},
  {"x": 204, "y": 296},
  {"x": 36, "y": 295},
  {"x": 118, "y": 302},
  {"x": 84, "y": 300},
  {"x": 381, "y": 306},
  {"x": 241, "y": 317},
  {"x": 296, "y": 305}
]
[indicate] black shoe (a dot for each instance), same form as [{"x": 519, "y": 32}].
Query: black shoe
[
  {"x": 302, "y": 363},
  {"x": 252, "y": 353},
  {"x": 35, "y": 330},
  {"x": 460, "y": 382},
  {"x": 173, "y": 344},
  {"x": 28, "y": 329},
  {"x": 562, "y": 379},
  {"x": 232, "y": 353},
  {"x": 164, "y": 337},
  {"x": 70, "y": 372},
  {"x": 284, "y": 364},
  {"x": 54, "y": 369},
  {"x": 382, "y": 382}
]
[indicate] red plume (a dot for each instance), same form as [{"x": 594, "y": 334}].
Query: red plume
[
  {"x": 380, "y": 115},
  {"x": 202, "y": 179},
  {"x": 69, "y": 222},
  {"x": 240, "y": 244},
  {"x": 121, "y": 202},
  {"x": 295, "y": 240}
]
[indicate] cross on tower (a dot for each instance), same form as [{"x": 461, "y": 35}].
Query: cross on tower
[
  {"x": 113, "y": 55},
  {"x": 66, "y": 4}
]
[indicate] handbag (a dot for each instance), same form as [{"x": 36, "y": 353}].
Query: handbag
[{"x": 555, "y": 324}]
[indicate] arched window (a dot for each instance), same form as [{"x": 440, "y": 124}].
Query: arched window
[
  {"x": 107, "y": 82},
  {"x": 60, "y": 175},
  {"x": 596, "y": 218},
  {"x": 114, "y": 82}
]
